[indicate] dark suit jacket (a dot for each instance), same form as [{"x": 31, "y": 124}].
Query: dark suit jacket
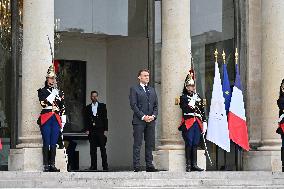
[
  {"x": 101, "y": 121},
  {"x": 141, "y": 104}
]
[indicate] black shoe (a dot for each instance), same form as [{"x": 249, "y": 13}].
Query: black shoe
[
  {"x": 151, "y": 169},
  {"x": 105, "y": 169},
  {"x": 137, "y": 169},
  {"x": 45, "y": 168},
  {"x": 188, "y": 167},
  {"x": 52, "y": 168},
  {"x": 196, "y": 168},
  {"x": 92, "y": 168},
  {"x": 52, "y": 154}
]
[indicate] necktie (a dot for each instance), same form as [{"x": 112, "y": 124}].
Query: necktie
[{"x": 147, "y": 90}]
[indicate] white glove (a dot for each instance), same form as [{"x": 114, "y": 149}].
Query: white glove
[
  {"x": 192, "y": 103},
  {"x": 63, "y": 119},
  {"x": 195, "y": 96},
  {"x": 204, "y": 127},
  {"x": 55, "y": 92}
]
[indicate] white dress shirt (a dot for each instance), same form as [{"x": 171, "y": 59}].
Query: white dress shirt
[
  {"x": 143, "y": 86},
  {"x": 95, "y": 108}
]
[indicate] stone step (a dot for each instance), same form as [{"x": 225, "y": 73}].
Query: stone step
[
  {"x": 146, "y": 175},
  {"x": 142, "y": 180}
]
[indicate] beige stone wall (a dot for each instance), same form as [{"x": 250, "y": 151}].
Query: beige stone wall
[
  {"x": 272, "y": 57},
  {"x": 253, "y": 77}
]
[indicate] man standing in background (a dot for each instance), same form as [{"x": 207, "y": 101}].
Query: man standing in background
[{"x": 96, "y": 128}]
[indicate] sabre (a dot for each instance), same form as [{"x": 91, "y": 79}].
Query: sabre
[
  {"x": 206, "y": 150},
  {"x": 51, "y": 51},
  {"x": 205, "y": 145},
  {"x": 52, "y": 59}
]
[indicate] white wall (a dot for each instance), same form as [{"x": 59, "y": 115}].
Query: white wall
[{"x": 125, "y": 57}]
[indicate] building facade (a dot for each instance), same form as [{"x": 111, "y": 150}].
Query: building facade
[{"x": 100, "y": 45}]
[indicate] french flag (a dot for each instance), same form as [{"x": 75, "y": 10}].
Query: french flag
[{"x": 236, "y": 116}]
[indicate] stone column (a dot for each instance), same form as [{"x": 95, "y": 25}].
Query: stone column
[
  {"x": 38, "y": 23},
  {"x": 268, "y": 155},
  {"x": 176, "y": 46}
]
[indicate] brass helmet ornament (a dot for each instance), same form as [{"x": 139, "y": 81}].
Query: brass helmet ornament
[
  {"x": 51, "y": 72},
  {"x": 190, "y": 80}
]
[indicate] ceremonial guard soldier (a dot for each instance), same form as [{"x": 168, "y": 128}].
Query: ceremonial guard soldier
[
  {"x": 51, "y": 119},
  {"x": 280, "y": 130},
  {"x": 193, "y": 121}
]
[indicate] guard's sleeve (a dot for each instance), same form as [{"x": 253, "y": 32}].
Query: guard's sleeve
[
  {"x": 183, "y": 104},
  {"x": 42, "y": 98},
  {"x": 61, "y": 103},
  {"x": 280, "y": 103}
]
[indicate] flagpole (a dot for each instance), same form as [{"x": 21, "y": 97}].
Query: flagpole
[
  {"x": 217, "y": 148},
  {"x": 216, "y": 55},
  {"x": 225, "y": 153},
  {"x": 237, "y": 146},
  {"x": 239, "y": 150}
]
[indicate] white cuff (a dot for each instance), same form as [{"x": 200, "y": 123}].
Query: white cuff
[
  {"x": 143, "y": 118},
  {"x": 204, "y": 127}
]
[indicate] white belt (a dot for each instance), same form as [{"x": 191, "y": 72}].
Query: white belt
[
  {"x": 47, "y": 108},
  {"x": 192, "y": 114}
]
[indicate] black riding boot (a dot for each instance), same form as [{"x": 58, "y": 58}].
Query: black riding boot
[
  {"x": 45, "y": 156},
  {"x": 194, "y": 166},
  {"x": 188, "y": 158},
  {"x": 52, "y": 167},
  {"x": 282, "y": 158}
]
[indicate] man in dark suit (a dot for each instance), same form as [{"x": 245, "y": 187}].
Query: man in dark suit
[
  {"x": 96, "y": 128},
  {"x": 144, "y": 103}
]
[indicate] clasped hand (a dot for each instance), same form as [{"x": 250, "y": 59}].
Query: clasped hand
[{"x": 148, "y": 118}]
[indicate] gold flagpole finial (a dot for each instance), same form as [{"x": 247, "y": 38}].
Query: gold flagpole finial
[
  {"x": 216, "y": 55},
  {"x": 224, "y": 56},
  {"x": 236, "y": 56}
]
